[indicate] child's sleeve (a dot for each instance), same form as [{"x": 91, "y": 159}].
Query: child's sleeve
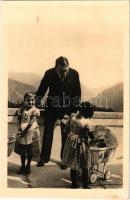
[
  {"x": 37, "y": 112},
  {"x": 18, "y": 112}
]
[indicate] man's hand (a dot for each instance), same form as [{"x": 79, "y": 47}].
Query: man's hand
[{"x": 65, "y": 119}]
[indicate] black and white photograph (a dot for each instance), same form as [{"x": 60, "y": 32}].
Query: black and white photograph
[{"x": 66, "y": 103}]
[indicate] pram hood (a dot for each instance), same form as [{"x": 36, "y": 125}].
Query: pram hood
[{"x": 103, "y": 138}]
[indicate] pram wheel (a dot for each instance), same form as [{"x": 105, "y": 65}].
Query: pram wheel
[
  {"x": 93, "y": 178},
  {"x": 107, "y": 175}
]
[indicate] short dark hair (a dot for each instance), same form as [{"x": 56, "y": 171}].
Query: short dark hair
[
  {"x": 87, "y": 109},
  {"x": 62, "y": 61},
  {"x": 29, "y": 94}
]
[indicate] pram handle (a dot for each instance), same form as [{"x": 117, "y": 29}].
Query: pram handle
[{"x": 102, "y": 148}]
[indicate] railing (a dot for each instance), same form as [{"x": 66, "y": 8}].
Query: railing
[
  {"x": 111, "y": 119},
  {"x": 97, "y": 115}
]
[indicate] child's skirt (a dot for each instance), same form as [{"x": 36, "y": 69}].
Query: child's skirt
[
  {"x": 29, "y": 150},
  {"x": 76, "y": 156}
]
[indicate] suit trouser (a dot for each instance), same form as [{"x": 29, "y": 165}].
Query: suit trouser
[{"x": 49, "y": 123}]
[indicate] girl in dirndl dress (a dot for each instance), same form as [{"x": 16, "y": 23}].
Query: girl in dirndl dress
[
  {"x": 28, "y": 138},
  {"x": 76, "y": 151}
]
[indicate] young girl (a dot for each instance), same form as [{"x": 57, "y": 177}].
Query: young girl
[
  {"x": 76, "y": 151},
  {"x": 28, "y": 130}
]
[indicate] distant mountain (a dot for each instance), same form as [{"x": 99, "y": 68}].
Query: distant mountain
[
  {"x": 111, "y": 97},
  {"x": 98, "y": 90},
  {"x": 17, "y": 89},
  {"x": 87, "y": 93},
  {"x": 34, "y": 80},
  {"x": 19, "y": 83},
  {"x": 26, "y": 78}
]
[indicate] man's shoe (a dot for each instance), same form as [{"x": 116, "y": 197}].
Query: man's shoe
[
  {"x": 40, "y": 164},
  {"x": 62, "y": 166},
  {"x": 74, "y": 186}
]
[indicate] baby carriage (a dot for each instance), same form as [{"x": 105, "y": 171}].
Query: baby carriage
[
  {"x": 98, "y": 159},
  {"x": 101, "y": 152}
]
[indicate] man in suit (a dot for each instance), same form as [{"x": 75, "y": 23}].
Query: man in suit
[{"x": 63, "y": 98}]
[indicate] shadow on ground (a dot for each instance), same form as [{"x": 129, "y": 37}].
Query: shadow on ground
[
  {"x": 15, "y": 180},
  {"x": 51, "y": 176}
]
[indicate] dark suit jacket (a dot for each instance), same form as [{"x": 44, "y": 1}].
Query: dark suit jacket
[{"x": 64, "y": 96}]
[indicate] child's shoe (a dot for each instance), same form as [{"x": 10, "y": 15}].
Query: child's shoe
[
  {"x": 85, "y": 187},
  {"x": 74, "y": 186},
  {"x": 21, "y": 170}
]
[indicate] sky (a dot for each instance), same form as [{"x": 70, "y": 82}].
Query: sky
[{"x": 90, "y": 35}]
